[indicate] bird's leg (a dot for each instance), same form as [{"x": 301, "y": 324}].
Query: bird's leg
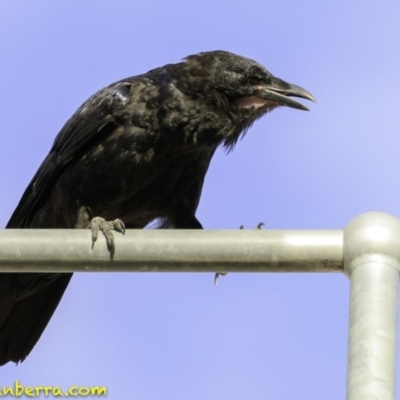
[
  {"x": 97, "y": 224},
  {"x": 218, "y": 274}
]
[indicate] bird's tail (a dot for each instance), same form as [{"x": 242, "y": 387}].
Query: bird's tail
[{"x": 23, "y": 318}]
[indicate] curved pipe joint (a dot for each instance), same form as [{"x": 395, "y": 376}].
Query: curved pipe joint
[{"x": 371, "y": 250}]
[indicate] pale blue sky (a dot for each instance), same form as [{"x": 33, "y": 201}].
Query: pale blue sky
[{"x": 161, "y": 337}]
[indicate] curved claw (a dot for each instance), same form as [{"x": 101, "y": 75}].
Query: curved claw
[
  {"x": 94, "y": 226},
  {"x": 217, "y": 275},
  {"x": 119, "y": 226},
  {"x": 259, "y": 226}
]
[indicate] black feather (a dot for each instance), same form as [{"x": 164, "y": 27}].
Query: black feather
[{"x": 137, "y": 150}]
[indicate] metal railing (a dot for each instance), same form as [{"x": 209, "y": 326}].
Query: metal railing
[{"x": 367, "y": 251}]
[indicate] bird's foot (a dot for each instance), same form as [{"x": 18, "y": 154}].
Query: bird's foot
[
  {"x": 259, "y": 226},
  {"x": 100, "y": 224},
  {"x": 218, "y": 274}
]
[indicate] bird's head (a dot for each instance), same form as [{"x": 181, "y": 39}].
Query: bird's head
[{"x": 240, "y": 87}]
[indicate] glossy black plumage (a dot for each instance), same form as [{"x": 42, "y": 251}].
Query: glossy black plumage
[{"x": 137, "y": 150}]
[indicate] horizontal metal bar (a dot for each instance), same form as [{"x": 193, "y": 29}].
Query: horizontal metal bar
[{"x": 70, "y": 250}]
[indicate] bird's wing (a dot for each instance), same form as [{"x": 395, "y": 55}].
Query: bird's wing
[{"x": 96, "y": 118}]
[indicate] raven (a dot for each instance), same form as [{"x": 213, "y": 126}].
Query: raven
[{"x": 137, "y": 150}]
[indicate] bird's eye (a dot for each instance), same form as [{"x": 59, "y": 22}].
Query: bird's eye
[
  {"x": 254, "y": 79},
  {"x": 255, "y": 75}
]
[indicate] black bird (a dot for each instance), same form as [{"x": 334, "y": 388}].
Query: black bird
[{"x": 137, "y": 150}]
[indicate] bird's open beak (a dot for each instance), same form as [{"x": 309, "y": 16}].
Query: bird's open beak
[{"x": 280, "y": 93}]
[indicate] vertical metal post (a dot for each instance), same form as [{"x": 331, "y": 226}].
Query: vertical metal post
[{"x": 371, "y": 261}]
